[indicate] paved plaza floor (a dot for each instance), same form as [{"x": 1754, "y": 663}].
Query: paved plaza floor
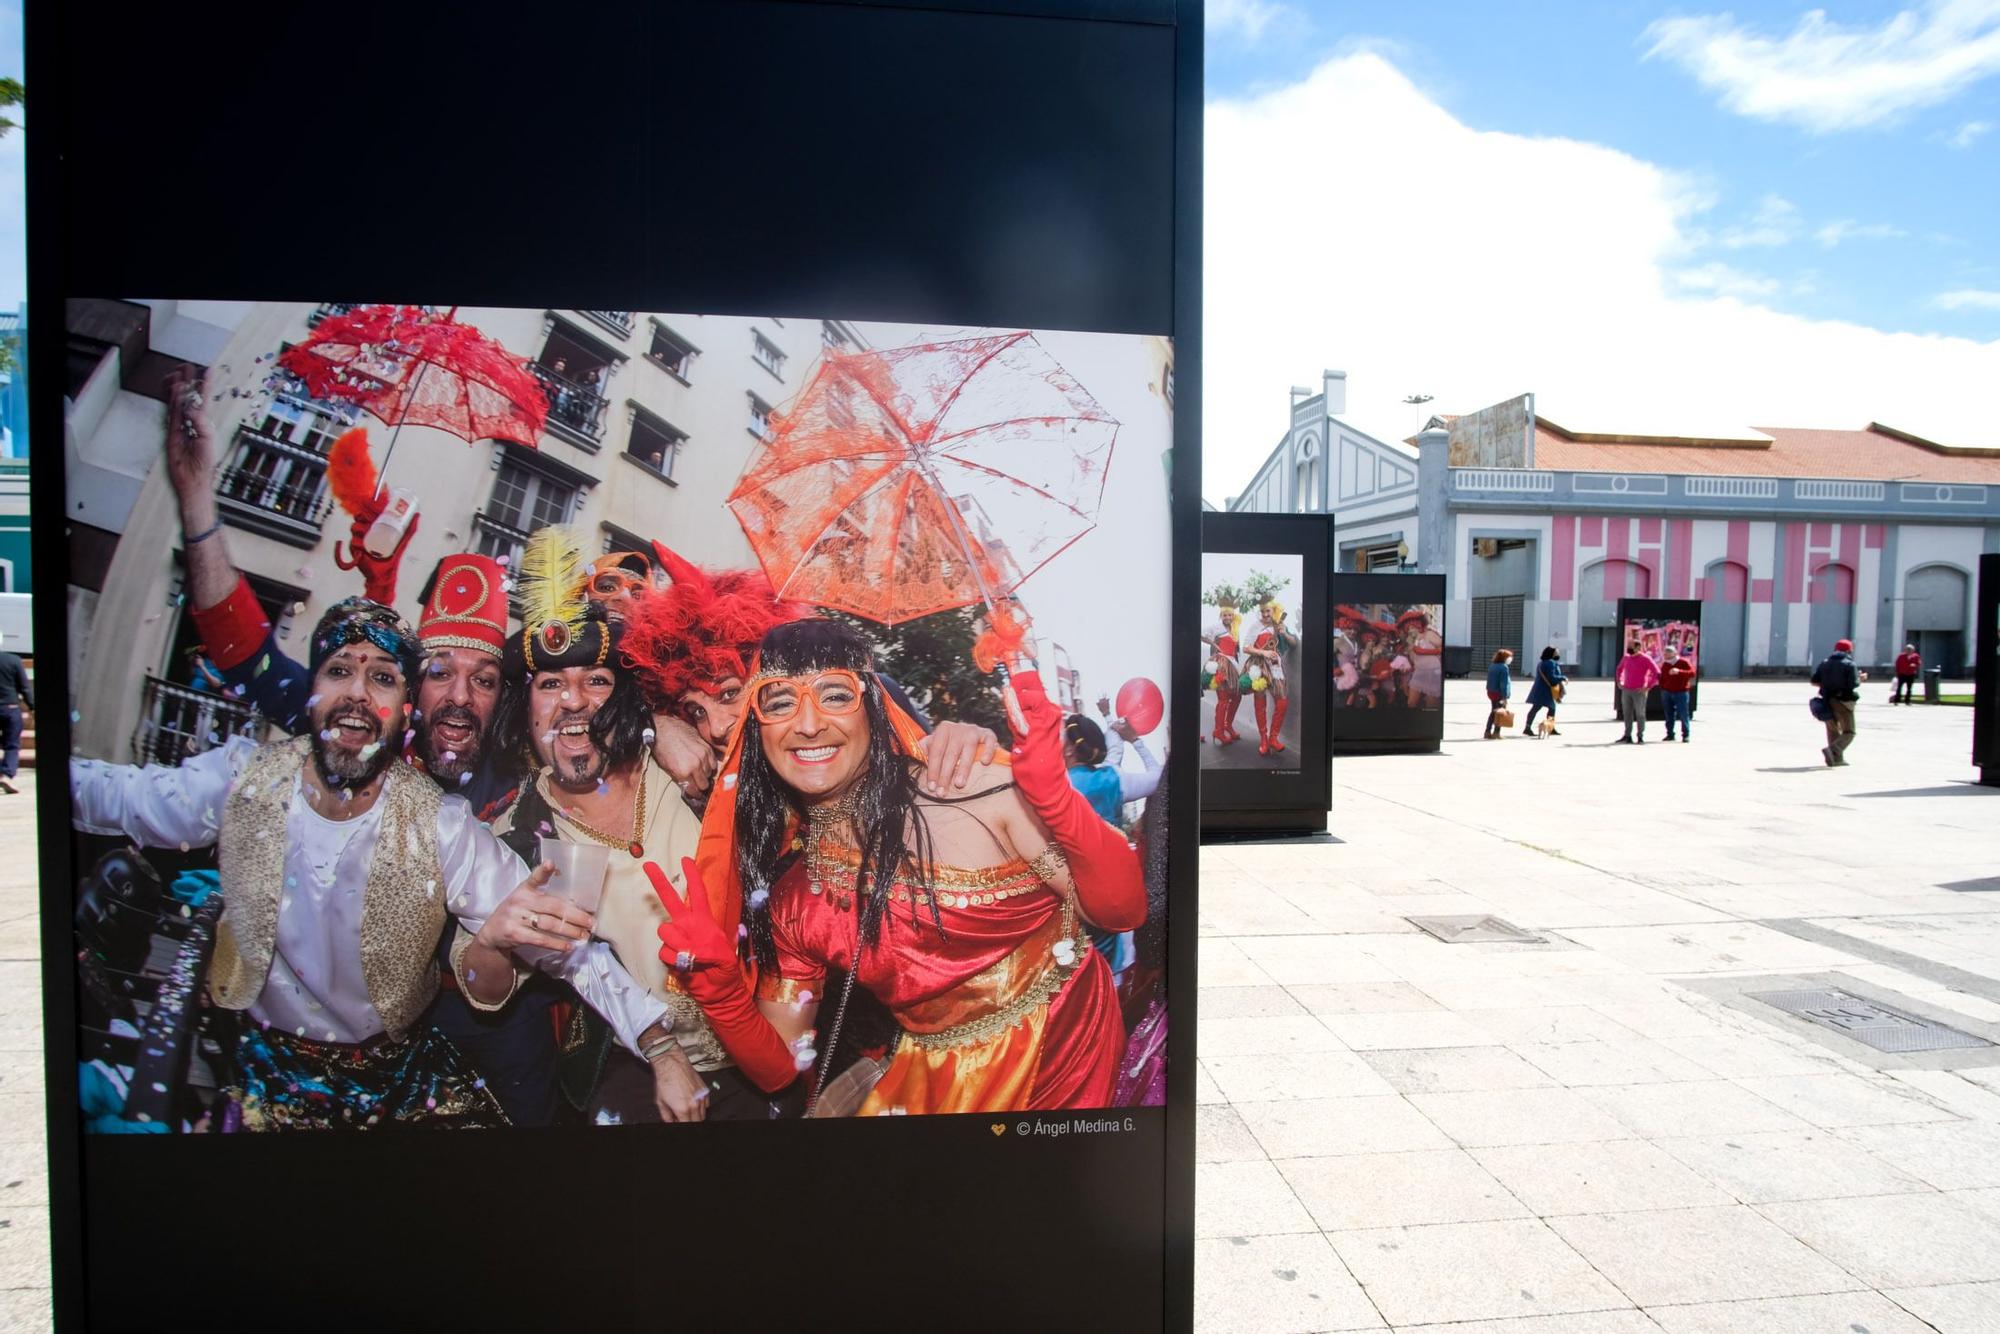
[
  {"x": 1597, "y": 1133},
  {"x": 1602, "y": 1133}
]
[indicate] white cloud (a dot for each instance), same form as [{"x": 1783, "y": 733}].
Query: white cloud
[
  {"x": 1827, "y": 76},
  {"x": 1775, "y": 222},
  {"x": 1847, "y": 229},
  {"x": 1722, "y": 280},
  {"x": 1247, "y": 20},
  {"x": 1968, "y": 134},
  {"x": 1967, "y": 298},
  {"x": 1425, "y": 256}
]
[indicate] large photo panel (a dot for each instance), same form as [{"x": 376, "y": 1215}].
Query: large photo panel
[
  {"x": 728, "y": 752},
  {"x": 775, "y": 638}
]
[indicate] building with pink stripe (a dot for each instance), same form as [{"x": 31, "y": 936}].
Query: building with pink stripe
[{"x": 1792, "y": 538}]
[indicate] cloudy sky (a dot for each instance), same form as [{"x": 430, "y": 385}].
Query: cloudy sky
[{"x": 1652, "y": 217}]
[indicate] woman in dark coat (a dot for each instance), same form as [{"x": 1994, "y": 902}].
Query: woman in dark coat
[{"x": 1545, "y": 691}]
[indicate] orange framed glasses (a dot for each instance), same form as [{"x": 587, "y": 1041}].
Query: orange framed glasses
[{"x": 835, "y": 691}]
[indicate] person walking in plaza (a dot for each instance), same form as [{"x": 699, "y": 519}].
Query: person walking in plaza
[
  {"x": 1546, "y": 691},
  {"x": 1677, "y": 691},
  {"x": 1909, "y": 666},
  {"x": 1499, "y": 685},
  {"x": 17, "y": 699},
  {"x": 1637, "y": 674},
  {"x": 1839, "y": 683}
]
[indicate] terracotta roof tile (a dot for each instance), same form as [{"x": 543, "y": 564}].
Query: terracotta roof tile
[{"x": 1872, "y": 455}]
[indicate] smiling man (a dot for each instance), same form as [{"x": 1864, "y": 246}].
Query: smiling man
[
  {"x": 586, "y": 722},
  {"x": 340, "y": 868}
]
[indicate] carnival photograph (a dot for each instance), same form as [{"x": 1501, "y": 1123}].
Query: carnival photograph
[
  {"x": 498, "y": 716},
  {"x": 1388, "y": 655},
  {"x": 1250, "y": 629}
]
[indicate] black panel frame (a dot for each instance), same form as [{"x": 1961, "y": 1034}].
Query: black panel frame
[
  {"x": 1276, "y": 801},
  {"x": 1075, "y": 205},
  {"x": 1662, "y": 609},
  {"x": 1391, "y": 731}
]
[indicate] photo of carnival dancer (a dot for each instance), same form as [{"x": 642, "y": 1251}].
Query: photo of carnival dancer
[
  {"x": 692, "y": 644},
  {"x": 1270, "y": 645},
  {"x": 462, "y": 632},
  {"x": 340, "y": 868},
  {"x": 1221, "y": 636},
  {"x": 964, "y": 915}
]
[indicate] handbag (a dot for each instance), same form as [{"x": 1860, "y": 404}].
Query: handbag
[
  {"x": 1820, "y": 709},
  {"x": 1556, "y": 692},
  {"x": 1504, "y": 718}
]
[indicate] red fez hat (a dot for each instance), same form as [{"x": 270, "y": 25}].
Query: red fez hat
[{"x": 467, "y": 607}]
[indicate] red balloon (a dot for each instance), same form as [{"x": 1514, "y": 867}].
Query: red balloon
[{"x": 1140, "y": 704}]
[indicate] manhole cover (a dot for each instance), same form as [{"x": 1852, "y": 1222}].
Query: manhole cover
[
  {"x": 1475, "y": 929},
  {"x": 1868, "y": 1021}
]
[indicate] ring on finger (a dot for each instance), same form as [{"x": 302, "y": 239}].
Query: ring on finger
[{"x": 534, "y": 921}]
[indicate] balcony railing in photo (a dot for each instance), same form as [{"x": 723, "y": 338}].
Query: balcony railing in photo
[
  {"x": 575, "y": 412},
  {"x": 179, "y": 721}
]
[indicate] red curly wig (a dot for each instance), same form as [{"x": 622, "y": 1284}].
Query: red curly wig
[{"x": 701, "y": 630}]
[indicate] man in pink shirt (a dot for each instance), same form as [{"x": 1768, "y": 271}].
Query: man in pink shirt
[{"x": 1637, "y": 674}]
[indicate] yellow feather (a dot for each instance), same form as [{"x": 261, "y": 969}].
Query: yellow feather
[{"x": 551, "y": 579}]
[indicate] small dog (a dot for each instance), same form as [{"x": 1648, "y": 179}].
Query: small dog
[{"x": 1545, "y": 726}]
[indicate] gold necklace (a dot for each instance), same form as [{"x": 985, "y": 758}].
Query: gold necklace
[
  {"x": 823, "y": 821},
  {"x": 634, "y": 845}
]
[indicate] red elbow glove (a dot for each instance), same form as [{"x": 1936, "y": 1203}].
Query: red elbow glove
[
  {"x": 234, "y": 628},
  {"x": 1110, "y": 885},
  {"x": 715, "y": 979}
]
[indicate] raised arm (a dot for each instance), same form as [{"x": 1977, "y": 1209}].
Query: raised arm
[
  {"x": 157, "y": 807},
  {"x": 1110, "y": 887}
]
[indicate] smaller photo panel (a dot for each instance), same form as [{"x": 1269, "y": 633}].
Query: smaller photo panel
[{"x": 1252, "y": 620}]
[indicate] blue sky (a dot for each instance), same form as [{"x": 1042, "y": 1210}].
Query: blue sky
[{"x": 1794, "y": 188}]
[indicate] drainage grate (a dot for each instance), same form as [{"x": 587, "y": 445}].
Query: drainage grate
[
  {"x": 1868, "y": 1021},
  {"x": 1475, "y": 929}
]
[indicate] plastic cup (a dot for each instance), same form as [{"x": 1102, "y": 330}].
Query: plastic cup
[{"x": 580, "y": 870}]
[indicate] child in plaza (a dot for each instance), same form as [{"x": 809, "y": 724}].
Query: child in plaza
[
  {"x": 1637, "y": 674},
  {"x": 1909, "y": 666},
  {"x": 1676, "y": 691}
]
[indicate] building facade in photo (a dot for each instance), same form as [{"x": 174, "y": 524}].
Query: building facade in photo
[
  {"x": 1792, "y": 538},
  {"x": 652, "y": 418}
]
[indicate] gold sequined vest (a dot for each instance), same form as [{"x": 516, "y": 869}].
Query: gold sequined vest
[{"x": 403, "y": 901}]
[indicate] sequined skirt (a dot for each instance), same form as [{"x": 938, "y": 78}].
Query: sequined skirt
[{"x": 285, "y": 1082}]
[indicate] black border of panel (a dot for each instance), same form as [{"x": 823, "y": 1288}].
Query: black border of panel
[
  {"x": 65, "y": 227},
  {"x": 1239, "y": 801},
  {"x": 1657, "y": 609},
  {"x": 1986, "y": 673}
]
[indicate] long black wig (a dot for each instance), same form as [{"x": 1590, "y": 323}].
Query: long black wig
[{"x": 893, "y": 835}]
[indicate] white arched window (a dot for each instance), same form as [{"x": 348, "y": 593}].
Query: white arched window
[{"x": 1306, "y": 480}]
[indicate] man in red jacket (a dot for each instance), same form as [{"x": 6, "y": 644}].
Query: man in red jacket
[
  {"x": 1909, "y": 666},
  {"x": 1676, "y": 685}
]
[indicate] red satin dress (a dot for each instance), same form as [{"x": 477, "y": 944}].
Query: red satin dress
[{"x": 1009, "y": 1010}]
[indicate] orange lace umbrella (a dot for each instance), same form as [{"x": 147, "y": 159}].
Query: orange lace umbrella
[
  {"x": 918, "y": 479},
  {"x": 411, "y": 365}
]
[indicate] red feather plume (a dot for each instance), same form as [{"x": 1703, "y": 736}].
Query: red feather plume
[
  {"x": 350, "y": 472},
  {"x": 702, "y": 629}
]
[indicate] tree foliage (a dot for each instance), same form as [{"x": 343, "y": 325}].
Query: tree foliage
[
  {"x": 931, "y": 658},
  {"x": 12, "y": 94}
]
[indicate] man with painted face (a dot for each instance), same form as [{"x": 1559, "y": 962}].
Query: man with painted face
[
  {"x": 340, "y": 868},
  {"x": 595, "y": 780},
  {"x": 692, "y": 645}
]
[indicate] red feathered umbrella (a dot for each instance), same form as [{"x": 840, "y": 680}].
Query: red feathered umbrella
[
  {"x": 917, "y": 479},
  {"x": 412, "y": 366}
]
